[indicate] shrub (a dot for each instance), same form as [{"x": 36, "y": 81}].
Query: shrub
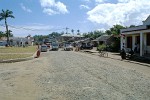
[
  {"x": 115, "y": 47},
  {"x": 101, "y": 47}
]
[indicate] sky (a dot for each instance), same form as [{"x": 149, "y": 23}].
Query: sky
[{"x": 41, "y": 17}]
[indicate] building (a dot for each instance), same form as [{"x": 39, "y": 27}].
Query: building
[
  {"x": 70, "y": 37},
  {"x": 104, "y": 39},
  {"x": 137, "y": 38},
  {"x": 18, "y": 41},
  {"x": 21, "y": 41}
]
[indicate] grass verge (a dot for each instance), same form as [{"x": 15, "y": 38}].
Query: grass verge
[
  {"x": 14, "y": 56},
  {"x": 30, "y": 49},
  {"x": 7, "y": 53}
]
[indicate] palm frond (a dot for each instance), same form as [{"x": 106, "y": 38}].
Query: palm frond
[
  {"x": 11, "y": 16},
  {"x": 1, "y": 18},
  {"x": 6, "y": 14},
  {"x": 9, "y": 12},
  {"x": 3, "y": 11}
]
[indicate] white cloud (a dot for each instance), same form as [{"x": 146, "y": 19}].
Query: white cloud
[
  {"x": 99, "y": 1},
  {"x": 125, "y": 12},
  {"x": 124, "y": 1},
  {"x": 52, "y": 7},
  {"x": 61, "y": 7},
  {"x": 87, "y": 1},
  {"x": 49, "y": 11},
  {"x": 25, "y": 8},
  {"x": 101, "y": 29},
  {"x": 84, "y": 7},
  {"x": 47, "y": 3}
]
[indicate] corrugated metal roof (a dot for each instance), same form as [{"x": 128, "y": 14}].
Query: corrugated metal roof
[
  {"x": 71, "y": 35},
  {"x": 102, "y": 38}
]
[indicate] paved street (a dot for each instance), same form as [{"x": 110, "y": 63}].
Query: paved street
[{"x": 69, "y": 75}]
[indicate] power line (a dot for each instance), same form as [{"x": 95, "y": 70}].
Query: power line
[{"x": 31, "y": 29}]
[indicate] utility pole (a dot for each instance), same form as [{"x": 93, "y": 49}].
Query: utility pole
[{"x": 67, "y": 30}]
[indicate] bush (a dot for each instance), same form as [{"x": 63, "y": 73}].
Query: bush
[
  {"x": 115, "y": 47},
  {"x": 101, "y": 47}
]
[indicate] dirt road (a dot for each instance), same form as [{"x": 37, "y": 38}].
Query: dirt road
[{"x": 67, "y": 75}]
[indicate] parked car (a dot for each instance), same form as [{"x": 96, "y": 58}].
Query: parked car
[
  {"x": 48, "y": 45},
  {"x": 54, "y": 46},
  {"x": 43, "y": 48},
  {"x": 86, "y": 46},
  {"x": 68, "y": 47}
]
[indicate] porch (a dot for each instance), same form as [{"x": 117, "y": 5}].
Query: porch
[{"x": 137, "y": 41}]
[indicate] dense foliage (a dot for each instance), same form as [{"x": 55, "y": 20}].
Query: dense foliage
[{"x": 94, "y": 34}]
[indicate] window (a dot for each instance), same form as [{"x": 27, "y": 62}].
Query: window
[{"x": 148, "y": 39}]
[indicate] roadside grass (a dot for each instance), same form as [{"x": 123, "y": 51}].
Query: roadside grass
[
  {"x": 30, "y": 49},
  {"x": 7, "y": 53},
  {"x": 14, "y": 56}
]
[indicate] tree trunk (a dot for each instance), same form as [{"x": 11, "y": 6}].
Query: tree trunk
[{"x": 7, "y": 33}]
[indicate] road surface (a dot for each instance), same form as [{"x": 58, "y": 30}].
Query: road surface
[{"x": 69, "y": 75}]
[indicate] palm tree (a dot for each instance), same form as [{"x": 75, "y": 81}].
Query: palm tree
[
  {"x": 3, "y": 16},
  {"x": 78, "y": 32},
  {"x": 72, "y": 31},
  {"x": 67, "y": 30},
  {"x": 9, "y": 33}
]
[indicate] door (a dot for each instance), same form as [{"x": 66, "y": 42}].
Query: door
[{"x": 129, "y": 42}]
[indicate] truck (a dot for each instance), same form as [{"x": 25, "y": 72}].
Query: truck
[{"x": 55, "y": 46}]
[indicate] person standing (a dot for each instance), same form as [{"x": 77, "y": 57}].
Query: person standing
[
  {"x": 138, "y": 48},
  {"x": 135, "y": 48},
  {"x": 123, "y": 54}
]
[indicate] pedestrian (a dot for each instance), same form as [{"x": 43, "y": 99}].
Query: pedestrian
[
  {"x": 79, "y": 46},
  {"x": 135, "y": 48},
  {"x": 138, "y": 48},
  {"x": 123, "y": 54},
  {"x": 76, "y": 47}
]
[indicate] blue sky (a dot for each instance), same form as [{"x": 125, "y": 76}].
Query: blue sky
[{"x": 46, "y": 16}]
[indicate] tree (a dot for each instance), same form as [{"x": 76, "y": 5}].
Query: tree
[
  {"x": 54, "y": 34},
  {"x": 67, "y": 30},
  {"x": 62, "y": 33},
  {"x": 2, "y": 34},
  {"x": 132, "y": 26},
  {"x": 78, "y": 32},
  {"x": 115, "y": 30},
  {"x": 108, "y": 32},
  {"x": 72, "y": 31},
  {"x": 93, "y": 35},
  {"x": 9, "y": 33},
  {"x": 3, "y": 16},
  {"x": 97, "y": 34}
]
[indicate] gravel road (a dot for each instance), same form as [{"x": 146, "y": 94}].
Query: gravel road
[{"x": 68, "y": 75}]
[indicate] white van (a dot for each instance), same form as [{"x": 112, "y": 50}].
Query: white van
[{"x": 3, "y": 43}]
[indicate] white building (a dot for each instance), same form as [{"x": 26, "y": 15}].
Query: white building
[{"x": 139, "y": 35}]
